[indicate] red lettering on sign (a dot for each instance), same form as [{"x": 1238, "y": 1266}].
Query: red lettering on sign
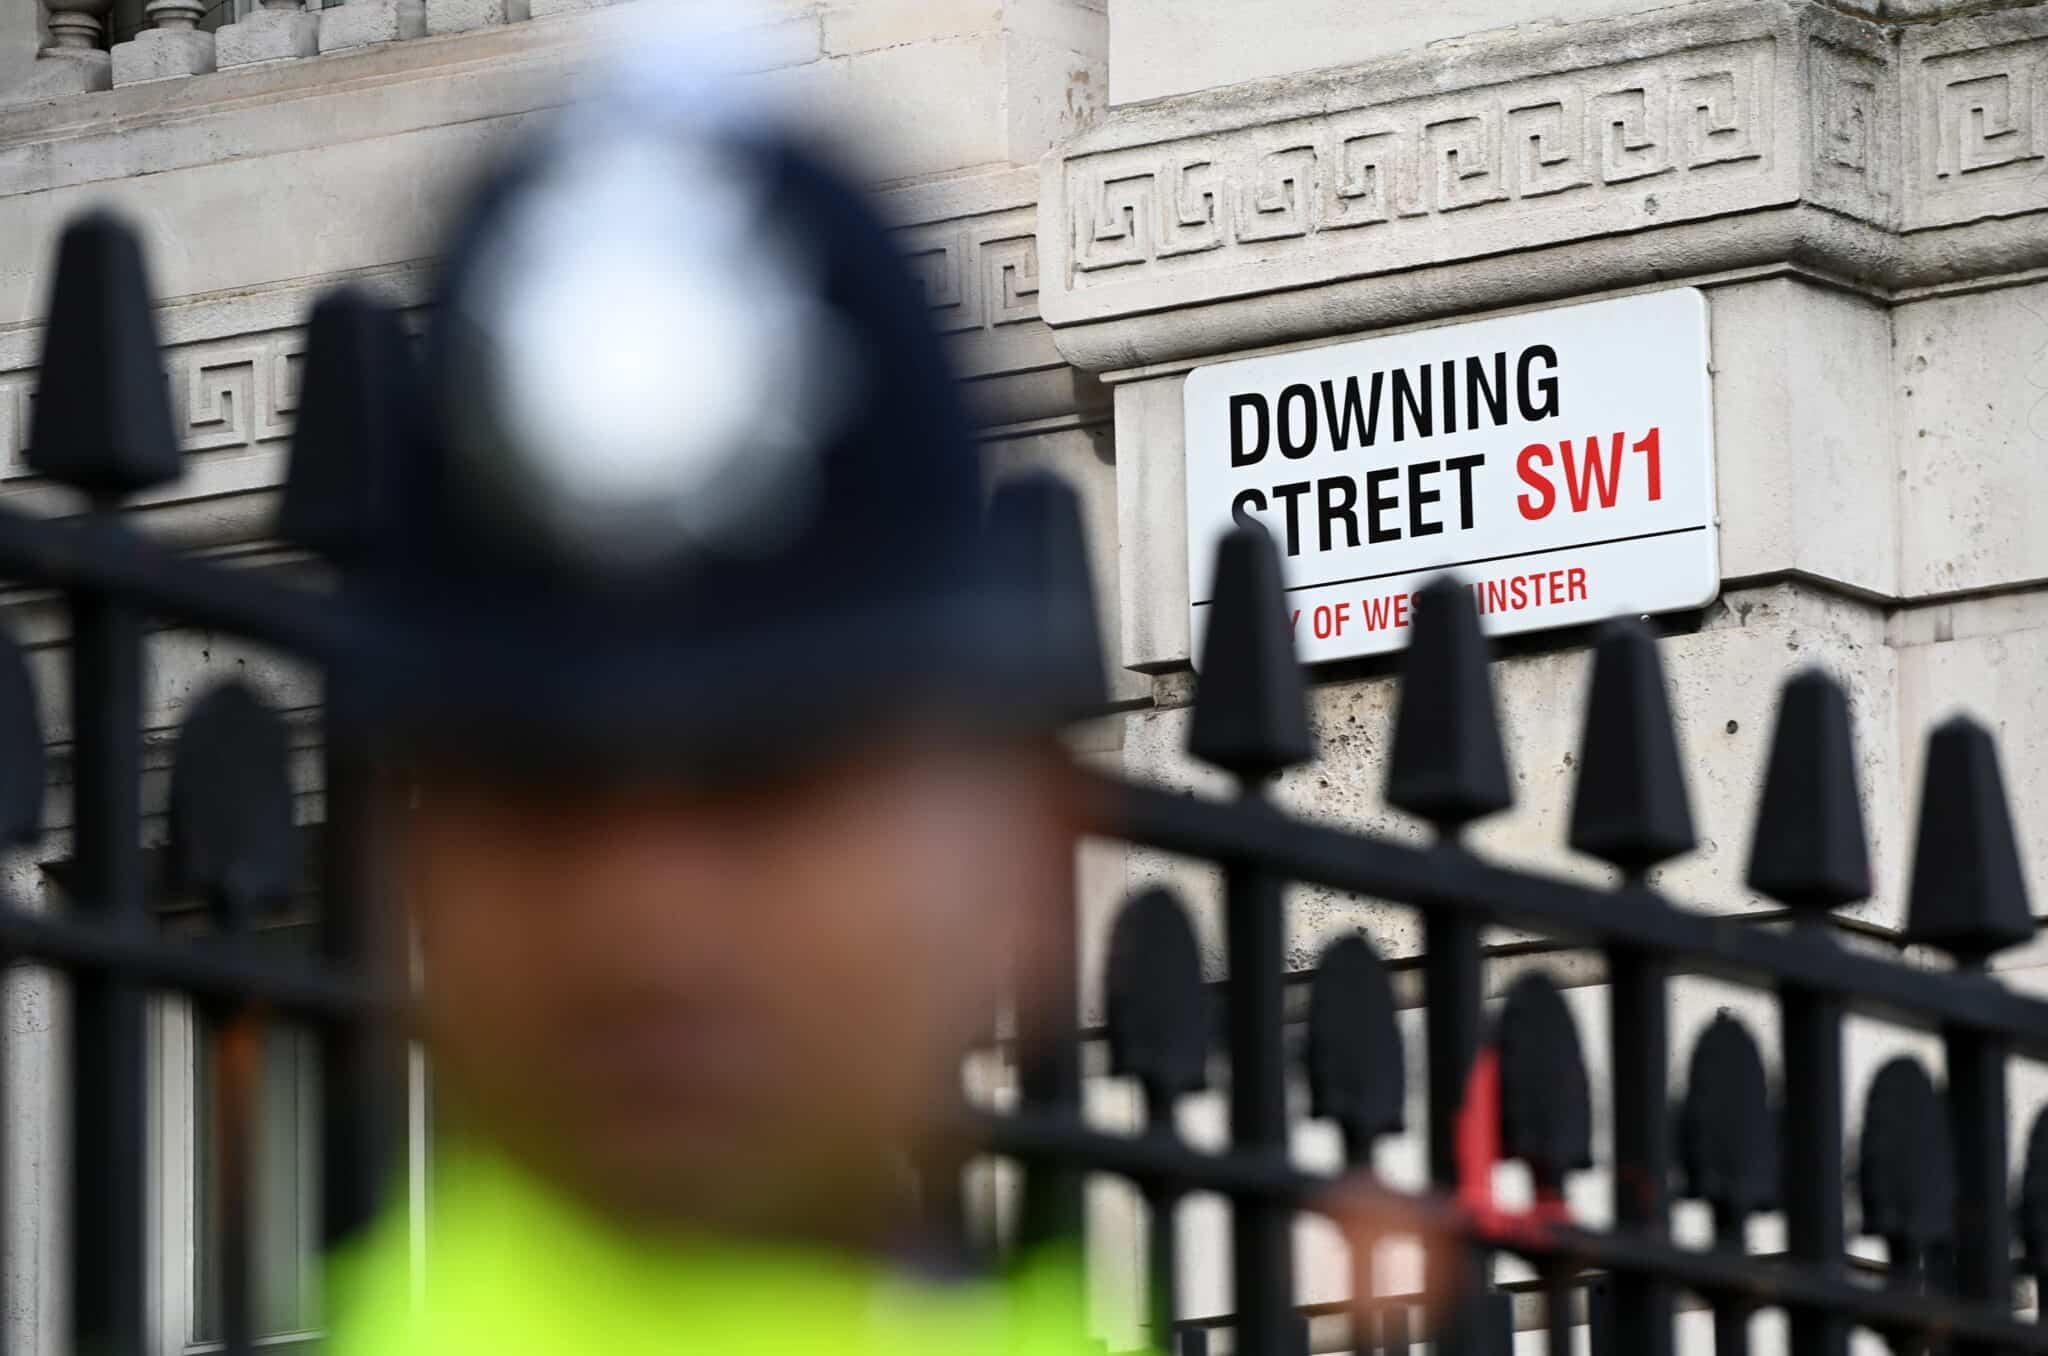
[
  {"x": 1525, "y": 467},
  {"x": 1587, "y": 477},
  {"x": 1655, "y": 470},
  {"x": 1592, "y": 474}
]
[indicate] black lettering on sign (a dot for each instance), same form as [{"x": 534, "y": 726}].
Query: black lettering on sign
[
  {"x": 1478, "y": 391},
  {"x": 1350, "y": 420},
  {"x": 1424, "y": 400},
  {"x": 1292, "y": 493},
  {"x": 1255, "y": 403},
  {"x": 1547, "y": 385},
  {"x": 1291, "y": 446},
  {"x": 1464, "y": 467},
  {"x": 1337, "y": 497},
  {"x": 1417, "y": 497},
  {"x": 1411, "y": 398},
  {"x": 1377, "y": 504}
]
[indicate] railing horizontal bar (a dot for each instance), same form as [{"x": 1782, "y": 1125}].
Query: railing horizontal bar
[
  {"x": 223, "y": 971},
  {"x": 1712, "y": 1275},
  {"x": 1038, "y": 1136},
  {"x": 1446, "y": 877},
  {"x": 97, "y": 553}
]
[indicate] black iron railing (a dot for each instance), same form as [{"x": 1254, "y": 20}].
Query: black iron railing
[{"x": 1931, "y": 1168}]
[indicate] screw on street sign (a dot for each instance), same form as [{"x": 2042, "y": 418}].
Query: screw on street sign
[{"x": 1559, "y": 463}]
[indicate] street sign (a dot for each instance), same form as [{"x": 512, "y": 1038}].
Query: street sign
[{"x": 1560, "y": 464}]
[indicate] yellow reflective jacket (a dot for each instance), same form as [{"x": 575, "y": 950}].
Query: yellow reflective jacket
[{"x": 514, "y": 1270}]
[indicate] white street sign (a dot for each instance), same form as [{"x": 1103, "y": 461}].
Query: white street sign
[{"x": 1560, "y": 464}]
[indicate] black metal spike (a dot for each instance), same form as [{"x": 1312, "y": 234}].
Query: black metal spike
[
  {"x": 1969, "y": 896},
  {"x": 1447, "y": 764},
  {"x": 1727, "y": 1136},
  {"x": 1357, "y": 1074},
  {"x": 1809, "y": 851},
  {"x": 1629, "y": 806},
  {"x": 2030, "y": 1212},
  {"x": 22, "y": 754},
  {"x": 1251, "y": 712},
  {"x": 232, "y": 835},
  {"x": 1157, "y": 1006},
  {"x": 102, "y": 408},
  {"x": 1546, "y": 1112},
  {"x": 1036, "y": 529},
  {"x": 357, "y": 404},
  {"x": 1905, "y": 1169}
]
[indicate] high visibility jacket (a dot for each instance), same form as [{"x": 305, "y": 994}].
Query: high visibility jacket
[{"x": 513, "y": 1269}]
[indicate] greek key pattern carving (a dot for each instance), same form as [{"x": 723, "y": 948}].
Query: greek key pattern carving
[
  {"x": 1563, "y": 139},
  {"x": 1984, "y": 122},
  {"x": 240, "y": 392},
  {"x": 1849, "y": 101},
  {"x": 1983, "y": 145},
  {"x": 978, "y": 273},
  {"x": 226, "y": 394}
]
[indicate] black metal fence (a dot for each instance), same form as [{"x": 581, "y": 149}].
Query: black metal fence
[{"x": 1931, "y": 1170}]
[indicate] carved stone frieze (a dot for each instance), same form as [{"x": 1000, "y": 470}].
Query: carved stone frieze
[
  {"x": 1683, "y": 142},
  {"x": 232, "y": 366}
]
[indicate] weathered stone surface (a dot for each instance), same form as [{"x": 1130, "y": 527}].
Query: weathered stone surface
[
  {"x": 1971, "y": 389},
  {"x": 1152, "y": 568},
  {"x": 54, "y": 75},
  {"x": 851, "y": 26},
  {"x": 359, "y": 23},
  {"x": 1803, "y": 433},
  {"x": 547, "y": 9},
  {"x": 1167, "y": 47},
  {"x": 162, "y": 54},
  {"x": 267, "y": 35},
  {"x": 459, "y": 16},
  {"x": 972, "y": 240}
]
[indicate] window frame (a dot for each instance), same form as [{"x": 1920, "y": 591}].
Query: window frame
[{"x": 177, "y": 1225}]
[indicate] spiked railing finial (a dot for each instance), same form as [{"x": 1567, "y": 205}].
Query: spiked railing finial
[
  {"x": 356, "y": 407},
  {"x": 1035, "y": 520},
  {"x": 232, "y": 835},
  {"x": 1969, "y": 895},
  {"x": 102, "y": 409},
  {"x": 1630, "y": 806},
  {"x": 1809, "y": 850},
  {"x": 1447, "y": 764},
  {"x": 1251, "y": 712}
]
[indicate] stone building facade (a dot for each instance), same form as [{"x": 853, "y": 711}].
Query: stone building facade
[{"x": 1103, "y": 194}]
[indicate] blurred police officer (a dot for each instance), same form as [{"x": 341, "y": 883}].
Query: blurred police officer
[{"x": 734, "y": 797}]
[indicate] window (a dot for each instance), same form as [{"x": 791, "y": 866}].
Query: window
[
  {"x": 284, "y": 1178},
  {"x": 284, "y": 1184}
]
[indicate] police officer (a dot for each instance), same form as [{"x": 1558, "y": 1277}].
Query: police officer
[{"x": 733, "y": 794}]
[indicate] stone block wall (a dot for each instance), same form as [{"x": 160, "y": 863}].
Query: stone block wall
[{"x": 1100, "y": 197}]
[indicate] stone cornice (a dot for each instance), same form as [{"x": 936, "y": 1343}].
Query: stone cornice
[{"x": 1516, "y": 169}]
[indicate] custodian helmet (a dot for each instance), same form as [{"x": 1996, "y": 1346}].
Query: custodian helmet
[{"x": 689, "y": 478}]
